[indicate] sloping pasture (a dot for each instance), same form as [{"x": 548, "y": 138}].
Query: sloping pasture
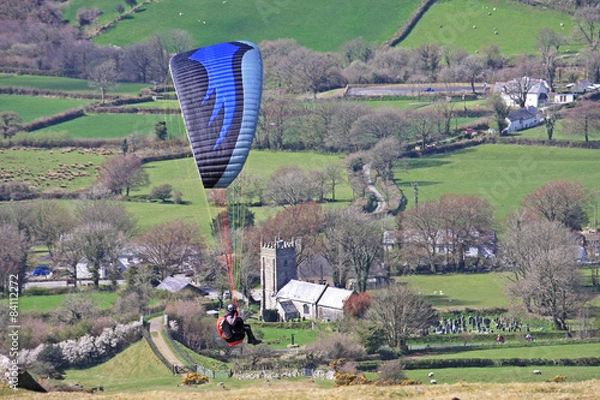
[
  {"x": 321, "y": 25},
  {"x": 473, "y": 24},
  {"x": 504, "y": 174}
]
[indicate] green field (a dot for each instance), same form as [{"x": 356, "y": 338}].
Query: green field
[
  {"x": 33, "y": 166},
  {"x": 539, "y": 132},
  {"x": 460, "y": 290},
  {"x": 322, "y": 25},
  {"x": 504, "y": 174},
  {"x": 63, "y": 84},
  {"x": 46, "y": 303},
  {"x": 551, "y": 352},
  {"x": 451, "y": 22},
  {"x": 32, "y": 107},
  {"x": 117, "y": 125},
  {"x": 506, "y": 375},
  {"x": 183, "y": 176}
]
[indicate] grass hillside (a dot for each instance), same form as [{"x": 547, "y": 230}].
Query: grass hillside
[
  {"x": 63, "y": 84},
  {"x": 451, "y": 22},
  {"x": 322, "y": 25},
  {"x": 504, "y": 174}
]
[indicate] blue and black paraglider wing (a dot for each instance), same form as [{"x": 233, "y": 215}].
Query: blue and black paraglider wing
[{"x": 219, "y": 89}]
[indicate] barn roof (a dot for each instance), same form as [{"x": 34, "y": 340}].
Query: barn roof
[{"x": 174, "y": 284}]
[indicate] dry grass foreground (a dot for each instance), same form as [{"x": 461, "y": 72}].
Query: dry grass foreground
[{"x": 586, "y": 390}]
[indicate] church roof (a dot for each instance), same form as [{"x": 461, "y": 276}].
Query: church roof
[
  {"x": 304, "y": 291},
  {"x": 335, "y": 297}
]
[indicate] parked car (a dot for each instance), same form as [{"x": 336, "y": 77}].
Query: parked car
[{"x": 41, "y": 270}]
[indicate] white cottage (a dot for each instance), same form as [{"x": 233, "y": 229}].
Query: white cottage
[
  {"x": 523, "y": 118},
  {"x": 535, "y": 91}
]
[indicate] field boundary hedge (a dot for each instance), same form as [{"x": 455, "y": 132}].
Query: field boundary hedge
[
  {"x": 499, "y": 362},
  {"x": 409, "y": 24}
]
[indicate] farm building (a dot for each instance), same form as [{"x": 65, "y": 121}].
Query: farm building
[
  {"x": 176, "y": 284},
  {"x": 523, "y": 118}
]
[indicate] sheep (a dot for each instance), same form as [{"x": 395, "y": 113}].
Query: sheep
[
  {"x": 433, "y": 382},
  {"x": 430, "y": 374},
  {"x": 537, "y": 372}
]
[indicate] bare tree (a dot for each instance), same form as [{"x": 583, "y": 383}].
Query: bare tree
[
  {"x": 424, "y": 125},
  {"x": 104, "y": 77},
  {"x": 49, "y": 221},
  {"x": 372, "y": 127},
  {"x": 101, "y": 244},
  {"x": 583, "y": 119},
  {"x": 139, "y": 62},
  {"x": 9, "y": 123},
  {"x": 540, "y": 255},
  {"x": 587, "y": 19},
  {"x": 472, "y": 68},
  {"x": 548, "y": 42},
  {"x": 274, "y": 55},
  {"x": 341, "y": 120},
  {"x": 276, "y": 112},
  {"x": 402, "y": 313},
  {"x": 170, "y": 244},
  {"x": 561, "y": 201},
  {"x": 176, "y": 41},
  {"x": 358, "y": 238},
  {"x": 445, "y": 113},
  {"x": 333, "y": 172},
  {"x": 420, "y": 233},
  {"x": 518, "y": 88},
  {"x": 68, "y": 252},
  {"x": 357, "y": 49},
  {"x": 466, "y": 222},
  {"x": 383, "y": 157},
  {"x": 302, "y": 223},
  {"x": 310, "y": 71},
  {"x": 289, "y": 185},
  {"x": 13, "y": 256},
  {"x": 123, "y": 172}
]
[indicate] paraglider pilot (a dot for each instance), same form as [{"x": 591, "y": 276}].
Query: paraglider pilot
[{"x": 234, "y": 328}]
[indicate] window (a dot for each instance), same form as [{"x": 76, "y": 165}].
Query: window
[{"x": 305, "y": 309}]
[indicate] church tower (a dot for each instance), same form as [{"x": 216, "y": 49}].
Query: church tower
[{"x": 277, "y": 268}]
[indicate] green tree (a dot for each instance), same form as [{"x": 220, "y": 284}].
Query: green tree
[
  {"x": 161, "y": 192},
  {"x": 131, "y": 3},
  {"x": 160, "y": 129},
  {"x": 500, "y": 110}
]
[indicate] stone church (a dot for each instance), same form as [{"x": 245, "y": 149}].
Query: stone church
[{"x": 291, "y": 297}]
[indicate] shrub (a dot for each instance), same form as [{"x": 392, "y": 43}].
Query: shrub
[
  {"x": 392, "y": 372},
  {"x": 192, "y": 378},
  {"x": 409, "y": 382},
  {"x": 350, "y": 380}
]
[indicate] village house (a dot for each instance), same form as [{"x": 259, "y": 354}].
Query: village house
[
  {"x": 523, "y": 118},
  {"x": 537, "y": 91},
  {"x": 176, "y": 284}
]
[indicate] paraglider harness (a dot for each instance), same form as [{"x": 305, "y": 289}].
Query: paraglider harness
[{"x": 226, "y": 331}]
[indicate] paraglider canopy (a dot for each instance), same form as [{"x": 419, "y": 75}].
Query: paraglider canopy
[{"x": 219, "y": 89}]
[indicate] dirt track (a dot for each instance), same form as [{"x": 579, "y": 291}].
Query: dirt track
[{"x": 156, "y": 328}]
